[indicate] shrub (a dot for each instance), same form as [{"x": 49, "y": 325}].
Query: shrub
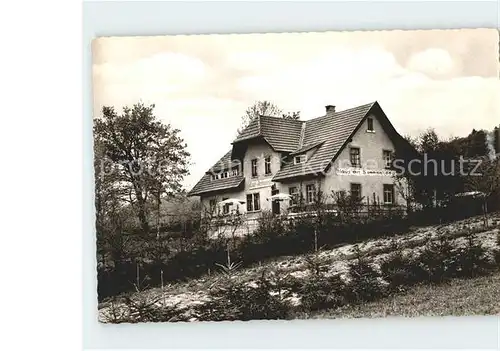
[
  {"x": 349, "y": 206},
  {"x": 315, "y": 265},
  {"x": 269, "y": 226},
  {"x": 496, "y": 257},
  {"x": 142, "y": 308},
  {"x": 400, "y": 270},
  {"x": 240, "y": 301},
  {"x": 364, "y": 281},
  {"x": 320, "y": 292},
  {"x": 496, "y": 252},
  {"x": 438, "y": 261},
  {"x": 472, "y": 259}
]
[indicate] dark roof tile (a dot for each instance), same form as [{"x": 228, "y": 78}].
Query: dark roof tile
[
  {"x": 333, "y": 131},
  {"x": 206, "y": 184},
  {"x": 281, "y": 134}
]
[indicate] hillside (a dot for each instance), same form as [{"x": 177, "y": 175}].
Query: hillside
[
  {"x": 184, "y": 296},
  {"x": 460, "y": 297}
]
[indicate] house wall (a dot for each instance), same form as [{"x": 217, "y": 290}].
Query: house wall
[
  {"x": 205, "y": 199},
  {"x": 260, "y": 184},
  {"x": 301, "y": 185},
  {"x": 371, "y": 145}
]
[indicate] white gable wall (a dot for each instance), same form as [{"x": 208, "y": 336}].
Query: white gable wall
[
  {"x": 260, "y": 184},
  {"x": 371, "y": 145}
]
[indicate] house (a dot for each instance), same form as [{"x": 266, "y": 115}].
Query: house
[{"x": 349, "y": 150}]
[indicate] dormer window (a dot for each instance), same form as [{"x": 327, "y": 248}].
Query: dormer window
[
  {"x": 225, "y": 174},
  {"x": 299, "y": 159},
  {"x": 369, "y": 123}
]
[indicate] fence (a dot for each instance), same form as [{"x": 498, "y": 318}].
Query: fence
[{"x": 240, "y": 224}]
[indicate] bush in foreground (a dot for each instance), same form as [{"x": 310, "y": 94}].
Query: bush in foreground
[
  {"x": 365, "y": 283},
  {"x": 400, "y": 270},
  {"x": 438, "y": 261},
  {"x": 473, "y": 259},
  {"x": 241, "y": 301},
  {"x": 320, "y": 292}
]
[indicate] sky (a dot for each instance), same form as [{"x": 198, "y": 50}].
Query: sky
[{"x": 202, "y": 84}]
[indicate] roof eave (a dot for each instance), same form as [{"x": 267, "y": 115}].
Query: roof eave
[
  {"x": 298, "y": 152},
  {"x": 297, "y": 176},
  {"x": 199, "y": 193},
  {"x": 260, "y": 136},
  {"x": 236, "y": 141}
]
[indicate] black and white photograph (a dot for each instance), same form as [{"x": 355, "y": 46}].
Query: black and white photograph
[{"x": 283, "y": 176}]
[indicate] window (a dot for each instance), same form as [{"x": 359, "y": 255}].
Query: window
[
  {"x": 355, "y": 157},
  {"x": 224, "y": 175},
  {"x": 215, "y": 176},
  {"x": 253, "y": 202},
  {"x": 387, "y": 156},
  {"x": 254, "y": 167},
  {"x": 225, "y": 208},
  {"x": 267, "y": 164},
  {"x": 388, "y": 194},
  {"x": 369, "y": 122},
  {"x": 356, "y": 190},
  {"x": 294, "y": 193},
  {"x": 310, "y": 193},
  {"x": 300, "y": 159},
  {"x": 212, "y": 205}
]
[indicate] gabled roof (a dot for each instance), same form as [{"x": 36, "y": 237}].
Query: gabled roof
[
  {"x": 333, "y": 132},
  {"x": 280, "y": 133},
  {"x": 206, "y": 184},
  {"x": 224, "y": 163},
  {"x": 328, "y": 135}
]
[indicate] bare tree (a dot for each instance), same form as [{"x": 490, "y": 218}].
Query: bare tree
[{"x": 349, "y": 205}]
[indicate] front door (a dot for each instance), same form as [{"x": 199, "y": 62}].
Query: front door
[{"x": 276, "y": 203}]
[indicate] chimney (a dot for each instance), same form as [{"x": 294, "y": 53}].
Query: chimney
[{"x": 330, "y": 110}]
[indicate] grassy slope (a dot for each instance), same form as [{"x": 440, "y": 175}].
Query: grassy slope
[
  {"x": 195, "y": 290},
  {"x": 478, "y": 296},
  {"x": 340, "y": 255}
]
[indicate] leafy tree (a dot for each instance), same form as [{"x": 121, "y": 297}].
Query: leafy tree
[
  {"x": 428, "y": 141},
  {"x": 264, "y": 108},
  {"x": 148, "y": 158},
  {"x": 104, "y": 191},
  {"x": 432, "y": 174},
  {"x": 111, "y": 215},
  {"x": 486, "y": 181}
]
